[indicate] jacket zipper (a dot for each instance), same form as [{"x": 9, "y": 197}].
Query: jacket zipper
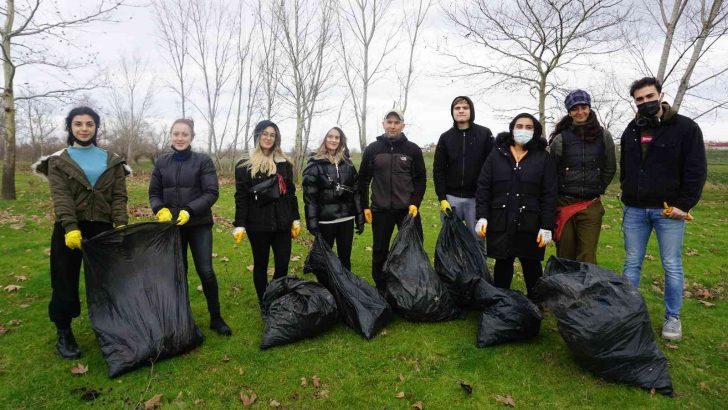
[
  {"x": 391, "y": 170},
  {"x": 462, "y": 176}
]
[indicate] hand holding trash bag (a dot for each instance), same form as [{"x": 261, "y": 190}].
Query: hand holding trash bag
[
  {"x": 238, "y": 234},
  {"x": 73, "y": 239},
  {"x": 164, "y": 215},
  {"x": 183, "y": 217},
  {"x": 368, "y": 216},
  {"x": 543, "y": 238},
  {"x": 481, "y": 227}
]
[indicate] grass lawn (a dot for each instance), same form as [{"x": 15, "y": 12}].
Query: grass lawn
[{"x": 426, "y": 362}]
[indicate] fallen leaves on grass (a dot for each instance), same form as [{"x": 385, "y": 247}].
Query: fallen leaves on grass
[
  {"x": 153, "y": 403},
  {"x": 506, "y": 400},
  {"x": 304, "y": 382},
  {"x": 649, "y": 257},
  {"x": 605, "y": 226},
  {"x": 224, "y": 259},
  {"x": 79, "y": 369},
  {"x": 15, "y": 322},
  {"x": 12, "y": 288},
  {"x": 418, "y": 405},
  {"x": 316, "y": 381},
  {"x": 466, "y": 387},
  {"x": 670, "y": 346},
  {"x": 399, "y": 395},
  {"x": 368, "y": 249},
  {"x": 321, "y": 394},
  {"x": 3, "y": 330},
  {"x": 653, "y": 392},
  {"x": 275, "y": 403},
  {"x": 295, "y": 258},
  {"x": 706, "y": 303},
  {"x": 21, "y": 278},
  {"x": 401, "y": 377},
  {"x": 249, "y": 268},
  {"x": 225, "y": 358},
  {"x": 692, "y": 252},
  {"x": 199, "y": 402},
  {"x": 199, "y": 288},
  {"x": 248, "y": 400}
]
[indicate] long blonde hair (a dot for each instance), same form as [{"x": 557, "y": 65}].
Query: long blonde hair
[{"x": 339, "y": 154}]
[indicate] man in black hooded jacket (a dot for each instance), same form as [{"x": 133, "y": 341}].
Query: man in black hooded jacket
[
  {"x": 396, "y": 170},
  {"x": 460, "y": 154}
]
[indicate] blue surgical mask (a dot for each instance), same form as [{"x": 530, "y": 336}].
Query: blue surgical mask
[{"x": 522, "y": 136}]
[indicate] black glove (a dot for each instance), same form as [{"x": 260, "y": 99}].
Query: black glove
[{"x": 359, "y": 229}]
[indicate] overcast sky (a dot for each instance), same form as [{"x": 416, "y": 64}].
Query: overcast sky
[{"x": 428, "y": 111}]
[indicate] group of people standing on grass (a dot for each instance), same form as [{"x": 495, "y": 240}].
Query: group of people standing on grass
[{"x": 517, "y": 191}]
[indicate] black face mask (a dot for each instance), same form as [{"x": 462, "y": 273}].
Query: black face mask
[
  {"x": 84, "y": 143},
  {"x": 649, "y": 109}
]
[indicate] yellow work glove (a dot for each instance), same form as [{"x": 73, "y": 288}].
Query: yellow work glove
[
  {"x": 295, "y": 229},
  {"x": 445, "y": 206},
  {"x": 239, "y": 234},
  {"x": 543, "y": 238},
  {"x": 481, "y": 227},
  {"x": 73, "y": 239},
  {"x": 670, "y": 209},
  {"x": 164, "y": 215},
  {"x": 368, "y": 216},
  {"x": 183, "y": 217},
  {"x": 412, "y": 210}
]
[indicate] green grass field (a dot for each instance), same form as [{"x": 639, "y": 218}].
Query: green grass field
[{"x": 423, "y": 363}]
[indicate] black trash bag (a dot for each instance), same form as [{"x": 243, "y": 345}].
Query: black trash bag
[
  {"x": 512, "y": 318},
  {"x": 136, "y": 289},
  {"x": 295, "y": 309},
  {"x": 412, "y": 287},
  {"x": 605, "y": 324},
  {"x": 359, "y": 303},
  {"x": 460, "y": 262}
]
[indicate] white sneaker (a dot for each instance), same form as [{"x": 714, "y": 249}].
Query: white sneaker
[{"x": 672, "y": 329}]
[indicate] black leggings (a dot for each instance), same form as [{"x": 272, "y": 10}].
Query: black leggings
[
  {"x": 343, "y": 233},
  {"x": 503, "y": 273},
  {"x": 261, "y": 244},
  {"x": 199, "y": 240},
  {"x": 66, "y": 271}
]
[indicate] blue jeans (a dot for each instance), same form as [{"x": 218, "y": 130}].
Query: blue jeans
[{"x": 637, "y": 225}]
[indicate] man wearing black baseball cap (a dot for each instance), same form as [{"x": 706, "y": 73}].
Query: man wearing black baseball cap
[{"x": 396, "y": 171}]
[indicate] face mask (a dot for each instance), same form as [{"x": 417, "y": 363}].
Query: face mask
[
  {"x": 649, "y": 108},
  {"x": 522, "y": 136},
  {"x": 84, "y": 143}
]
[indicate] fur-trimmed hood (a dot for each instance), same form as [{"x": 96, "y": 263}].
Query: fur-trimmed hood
[{"x": 40, "y": 167}]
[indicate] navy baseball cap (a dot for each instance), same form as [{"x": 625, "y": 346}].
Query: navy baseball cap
[{"x": 577, "y": 97}]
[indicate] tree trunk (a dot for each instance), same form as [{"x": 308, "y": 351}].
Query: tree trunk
[
  {"x": 542, "y": 103},
  {"x": 670, "y": 26},
  {"x": 8, "y": 180}
]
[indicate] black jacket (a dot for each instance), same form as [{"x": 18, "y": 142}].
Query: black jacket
[
  {"x": 585, "y": 169},
  {"x": 271, "y": 217},
  {"x": 459, "y": 156},
  {"x": 396, "y": 170},
  {"x": 673, "y": 170},
  {"x": 323, "y": 201},
  {"x": 516, "y": 199},
  {"x": 188, "y": 182}
]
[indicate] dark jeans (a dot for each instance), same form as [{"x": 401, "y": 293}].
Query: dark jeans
[
  {"x": 383, "y": 223},
  {"x": 503, "y": 273},
  {"x": 261, "y": 244},
  {"x": 66, "y": 271},
  {"x": 343, "y": 233},
  {"x": 199, "y": 240}
]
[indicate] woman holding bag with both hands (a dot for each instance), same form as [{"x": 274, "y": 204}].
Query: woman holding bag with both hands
[
  {"x": 184, "y": 187},
  {"x": 516, "y": 201},
  {"x": 266, "y": 209}
]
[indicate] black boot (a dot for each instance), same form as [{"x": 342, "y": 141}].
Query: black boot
[
  {"x": 66, "y": 346},
  {"x": 219, "y": 326}
]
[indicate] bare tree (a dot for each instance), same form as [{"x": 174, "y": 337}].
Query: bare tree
[
  {"x": 414, "y": 24},
  {"x": 305, "y": 37},
  {"x": 131, "y": 100},
  {"x": 213, "y": 50},
  {"x": 38, "y": 122},
  {"x": 363, "y": 52},
  {"x": 271, "y": 63},
  {"x": 27, "y": 27},
  {"x": 172, "y": 21},
  {"x": 534, "y": 43}
]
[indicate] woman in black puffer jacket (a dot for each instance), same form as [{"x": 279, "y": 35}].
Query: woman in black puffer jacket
[
  {"x": 331, "y": 195},
  {"x": 184, "y": 187}
]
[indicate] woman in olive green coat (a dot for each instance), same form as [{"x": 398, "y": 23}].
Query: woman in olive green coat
[{"x": 88, "y": 188}]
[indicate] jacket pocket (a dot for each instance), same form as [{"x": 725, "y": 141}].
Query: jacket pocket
[{"x": 529, "y": 220}]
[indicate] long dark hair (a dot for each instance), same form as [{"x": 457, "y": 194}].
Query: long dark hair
[
  {"x": 83, "y": 110},
  {"x": 590, "y": 130}
]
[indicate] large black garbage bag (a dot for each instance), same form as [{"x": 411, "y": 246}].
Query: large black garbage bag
[
  {"x": 460, "y": 262},
  {"x": 294, "y": 309},
  {"x": 413, "y": 288},
  {"x": 136, "y": 288},
  {"x": 359, "y": 303},
  {"x": 605, "y": 324},
  {"x": 512, "y": 318}
]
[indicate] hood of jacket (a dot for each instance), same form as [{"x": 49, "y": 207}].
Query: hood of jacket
[
  {"x": 40, "y": 167},
  {"x": 472, "y": 111}
]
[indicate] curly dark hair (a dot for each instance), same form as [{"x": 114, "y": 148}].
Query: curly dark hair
[{"x": 82, "y": 110}]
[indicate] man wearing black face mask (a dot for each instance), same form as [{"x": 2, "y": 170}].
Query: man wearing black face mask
[{"x": 662, "y": 172}]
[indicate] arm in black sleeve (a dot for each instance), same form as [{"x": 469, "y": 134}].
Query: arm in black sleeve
[
  {"x": 419, "y": 177},
  {"x": 242, "y": 185},
  {"x": 365, "y": 177},
  {"x": 155, "y": 190},
  {"x": 622, "y": 140},
  {"x": 549, "y": 189},
  {"x": 292, "y": 192},
  {"x": 439, "y": 169},
  {"x": 310, "y": 188},
  {"x": 483, "y": 194},
  {"x": 210, "y": 189},
  {"x": 359, "y": 217},
  {"x": 694, "y": 170}
]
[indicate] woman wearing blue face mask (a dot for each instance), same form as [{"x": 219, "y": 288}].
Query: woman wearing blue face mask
[{"x": 516, "y": 201}]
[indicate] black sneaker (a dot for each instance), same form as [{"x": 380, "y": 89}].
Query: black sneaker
[
  {"x": 219, "y": 326},
  {"x": 66, "y": 347}
]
